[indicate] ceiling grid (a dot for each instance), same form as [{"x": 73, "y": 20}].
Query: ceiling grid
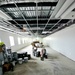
[{"x": 34, "y": 15}]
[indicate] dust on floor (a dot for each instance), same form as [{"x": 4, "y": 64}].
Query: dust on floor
[{"x": 51, "y": 66}]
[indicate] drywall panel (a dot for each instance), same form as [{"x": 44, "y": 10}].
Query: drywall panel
[{"x": 63, "y": 41}]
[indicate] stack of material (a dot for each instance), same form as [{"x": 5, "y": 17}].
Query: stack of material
[
  {"x": 38, "y": 54},
  {"x": 7, "y": 67},
  {"x": 13, "y": 63},
  {"x": 25, "y": 59},
  {"x": 33, "y": 43},
  {"x": 20, "y": 61},
  {"x": 22, "y": 55},
  {"x": 15, "y": 56},
  {"x": 29, "y": 56}
]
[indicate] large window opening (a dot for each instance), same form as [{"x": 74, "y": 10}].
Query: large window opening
[
  {"x": 11, "y": 38},
  {"x": 19, "y": 41},
  {"x": 23, "y": 40}
]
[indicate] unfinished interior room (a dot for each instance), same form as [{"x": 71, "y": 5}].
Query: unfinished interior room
[{"x": 37, "y": 37}]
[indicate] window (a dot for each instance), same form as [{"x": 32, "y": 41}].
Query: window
[
  {"x": 11, "y": 38},
  {"x": 19, "y": 40},
  {"x": 23, "y": 40}
]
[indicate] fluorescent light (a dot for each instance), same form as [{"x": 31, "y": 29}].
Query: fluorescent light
[
  {"x": 34, "y": 28},
  {"x": 44, "y": 32}
]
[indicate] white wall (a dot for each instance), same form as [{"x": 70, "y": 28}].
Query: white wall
[
  {"x": 63, "y": 41},
  {"x": 4, "y": 37}
]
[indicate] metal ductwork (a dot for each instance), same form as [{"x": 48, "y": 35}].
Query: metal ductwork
[
  {"x": 59, "y": 5},
  {"x": 64, "y": 7},
  {"x": 4, "y": 16},
  {"x": 68, "y": 10}
]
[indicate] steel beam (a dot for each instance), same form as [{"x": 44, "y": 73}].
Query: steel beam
[{"x": 29, "y": 4}]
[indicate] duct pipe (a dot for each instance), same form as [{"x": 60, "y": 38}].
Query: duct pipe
[
  {"x": 64, "y": 7},
  {"x": 68, "y": 10},
  {"x": 4, "y": 16}
]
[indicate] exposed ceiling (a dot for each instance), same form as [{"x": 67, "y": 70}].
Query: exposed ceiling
[{"x": 41, "y": 17}]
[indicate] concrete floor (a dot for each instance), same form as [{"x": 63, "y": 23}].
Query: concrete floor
[{"x": 56, "y": 64}]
